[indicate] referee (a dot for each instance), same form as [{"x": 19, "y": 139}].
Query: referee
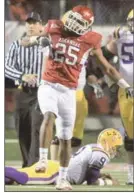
[{"x": 24, "y": 64}]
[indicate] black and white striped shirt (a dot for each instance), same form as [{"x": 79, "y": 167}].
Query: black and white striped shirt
[{"x": 23, "y": 60}]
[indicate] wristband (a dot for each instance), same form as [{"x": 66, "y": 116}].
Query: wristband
[
  {"x": 123, "y": 84},
  {"x": 101, "y": 182}
]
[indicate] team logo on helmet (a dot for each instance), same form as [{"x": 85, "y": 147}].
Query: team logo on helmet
[{"x": 110, "y": 139}]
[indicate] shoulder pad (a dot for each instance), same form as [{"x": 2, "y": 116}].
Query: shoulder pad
[
  {"x": 116, "y": 33},
  {"x": 92, "y": 38},
  {"x": 54, "y": 26}
]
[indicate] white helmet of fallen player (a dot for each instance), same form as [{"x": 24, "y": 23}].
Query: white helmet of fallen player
[
  {"x": 78, "y": 20},
  {"x": 130, "y": 20},
  {"x": 110, "y": 139}
]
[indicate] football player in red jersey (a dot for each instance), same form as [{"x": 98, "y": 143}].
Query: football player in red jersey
[{"x": 71, "y": 44}]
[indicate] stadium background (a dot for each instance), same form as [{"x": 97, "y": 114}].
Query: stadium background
[{"x": 103, "y": 112}]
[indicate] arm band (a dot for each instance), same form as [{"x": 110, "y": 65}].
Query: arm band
[
  {"x": 106, "y": 53},
  {"x": 122, "y": 83},
  {"x": 101, "y": 182}
]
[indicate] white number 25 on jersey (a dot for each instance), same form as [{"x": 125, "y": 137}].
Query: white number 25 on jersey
[{"x": 71, "y": 51}]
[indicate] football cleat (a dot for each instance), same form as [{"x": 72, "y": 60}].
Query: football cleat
[
  {"x": 78, "y": 20},
  {"x": 41, "y": 166},
  {"x": 130, "y": 183},
  {"x": 110, "y": 139},
  {"x": 63, "y": 184}
]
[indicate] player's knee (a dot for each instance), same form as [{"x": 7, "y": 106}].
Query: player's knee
[
  {"x": 65, "y": 137},
  {"x": 65, "y": 134},
  {"x": 66, "y": 130},
  {"x": 75, "y": 142},
  {"x": 129, "y": 144},
  {"x": 55, "y": 141}
]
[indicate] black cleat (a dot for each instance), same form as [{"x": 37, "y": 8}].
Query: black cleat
[{"x": 130, "y": 183}]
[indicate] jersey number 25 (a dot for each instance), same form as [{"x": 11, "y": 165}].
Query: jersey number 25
[{"x": 62, "y": 49}]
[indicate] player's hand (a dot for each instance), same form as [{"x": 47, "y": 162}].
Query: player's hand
[
  {"x": 106, "y": 175},
  {"x": 107, "y": 178},
  {"x": 130, "y": 92},
  {"x": 98, "y": 91},
  {"x": 115, "y": 182},
  {"x": 31, "y": 79}
]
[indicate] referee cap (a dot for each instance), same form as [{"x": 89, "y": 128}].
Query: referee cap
[{"x": 34, "y": 16}]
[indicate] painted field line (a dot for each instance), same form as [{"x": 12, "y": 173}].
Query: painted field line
[
  {"x": 11, "y": 140},
  {"x": 45, "y": 187}
]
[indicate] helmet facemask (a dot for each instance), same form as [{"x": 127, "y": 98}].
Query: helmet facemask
[{"x": 76, "y": 23}]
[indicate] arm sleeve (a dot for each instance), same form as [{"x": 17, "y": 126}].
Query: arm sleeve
[
  {"x": 106, "y": 53},
  {"x": 11, "y": 62},
  {"x": 92, "y": 175}
]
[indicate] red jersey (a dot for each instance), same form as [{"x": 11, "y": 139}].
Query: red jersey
[{"x": 69, "y": 54}]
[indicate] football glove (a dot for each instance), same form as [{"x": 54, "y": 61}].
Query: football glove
[
  {"x": 97, "y": 90},
  {"x": 130, "y": 92},
  {"x": 106, "y": 175}
]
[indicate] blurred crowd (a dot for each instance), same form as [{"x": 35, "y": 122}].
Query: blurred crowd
[{"x": 104, "y": 10}]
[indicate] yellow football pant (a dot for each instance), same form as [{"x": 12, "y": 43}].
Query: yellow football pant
[
  {"x": 81, "y": 113},
  {"x": 47, "y": 177},
  {"x": 126, "y": 112}
]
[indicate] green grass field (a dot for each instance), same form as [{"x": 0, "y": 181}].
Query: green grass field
[
  {"x": 78, "y": 188},
  {"x": 117, "y": 169}
]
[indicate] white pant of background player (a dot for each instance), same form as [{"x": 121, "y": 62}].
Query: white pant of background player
[{"x": 60, "y": 100}]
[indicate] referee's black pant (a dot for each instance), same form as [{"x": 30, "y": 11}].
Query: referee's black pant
[{"x": 27, "y": 121}]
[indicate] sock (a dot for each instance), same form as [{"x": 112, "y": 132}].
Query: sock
[
  {"x": 130, "y": 173},
  {"x": 63, "y": 172},
  {"x": 43, "y": 153}
]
